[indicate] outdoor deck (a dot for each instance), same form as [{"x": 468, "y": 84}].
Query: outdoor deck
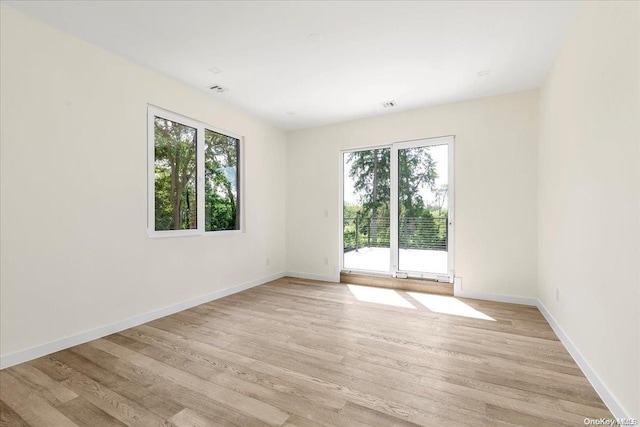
[{"x": 377, "y": 259}]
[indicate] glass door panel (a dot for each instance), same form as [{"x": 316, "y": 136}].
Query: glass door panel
[
  {"x": 423, "y": 222},
  {"x": 366, "y": 233}
]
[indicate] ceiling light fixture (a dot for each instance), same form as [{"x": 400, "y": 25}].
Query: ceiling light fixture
[
  {"x": 218, "y": 88},
  {"x": 483, "y": 73},
  {"x": 215, "y": 70},
  {"x": 389, "y": 104}
]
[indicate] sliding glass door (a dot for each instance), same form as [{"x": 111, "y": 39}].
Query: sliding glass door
[{"x": 398, "y": 209}]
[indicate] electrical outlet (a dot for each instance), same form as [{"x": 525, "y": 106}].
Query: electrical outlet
[
  {"x": 267, "y": 262},
  {"x": 326, "y": 213},
  {"x": 557, "y": 295},
  {"x": 326, "y": 261}
]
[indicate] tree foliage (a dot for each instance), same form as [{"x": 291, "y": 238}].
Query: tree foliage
[
  {"x": 175, "y": 180},
  {"x": 370, "y": 173},
  {"x": 416, "y": 169},
  {"x": 221, "y": 182}
]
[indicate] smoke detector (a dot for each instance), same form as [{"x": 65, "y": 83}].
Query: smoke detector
[
  {"x": 389, "y": 104},
  {"x": 218, "y": 88}
]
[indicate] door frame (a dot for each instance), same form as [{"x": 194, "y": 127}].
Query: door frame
[{"x": 393, "y": 207}]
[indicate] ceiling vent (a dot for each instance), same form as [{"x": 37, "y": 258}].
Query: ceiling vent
[
  {"x": 218, "y": 88},
  {"x": 389, "y": 104}
]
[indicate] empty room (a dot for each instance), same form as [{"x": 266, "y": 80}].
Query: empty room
[{"x": 319, "y": 213}]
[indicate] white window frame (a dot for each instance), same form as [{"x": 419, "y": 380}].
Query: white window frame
[{"x": 152, "y": 113}]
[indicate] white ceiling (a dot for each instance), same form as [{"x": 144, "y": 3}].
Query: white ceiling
[{"x": 302, "y": 64}]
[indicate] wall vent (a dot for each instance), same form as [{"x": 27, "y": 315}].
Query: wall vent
[
  {"x": 389, "y": 104},
  {"x": 218, "y": 88}
]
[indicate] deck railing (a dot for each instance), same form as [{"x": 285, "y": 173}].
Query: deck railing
[{"x": 426, "y": 233}]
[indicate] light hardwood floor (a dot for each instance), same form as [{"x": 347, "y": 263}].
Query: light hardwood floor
[{"x": 303, "y": 353}]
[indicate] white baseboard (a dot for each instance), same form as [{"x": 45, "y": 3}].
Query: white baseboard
[
  {"x": 310, "y": 276},
  {"x": 11, "y": 359},
  {"x": 603, "y": 391},
  {"x": 458, "y": 292},
  {"x": 496, "y": 297}
]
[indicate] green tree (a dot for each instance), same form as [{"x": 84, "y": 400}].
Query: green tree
[
  {"x": 351, "y": 212},
  {"x": 175, "y": 168},
  {"x": 416, "y": 169},
  {"x": 221, "y": 182},
  {"x": 175, "y": 178},
  {"x": 440, "y": 197},
  {"x": 370, "y": 171}
]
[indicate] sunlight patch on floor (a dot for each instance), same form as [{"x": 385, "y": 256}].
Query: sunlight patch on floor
[
  {"x": 448, "y": 305},
  {"x": 379, "y": 296}
]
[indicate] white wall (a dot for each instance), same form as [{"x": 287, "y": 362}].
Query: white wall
[
  {"x": 496, "y": 187},
  {"x": 75, "y": 253},
  {"x": 589, "y": 194}
]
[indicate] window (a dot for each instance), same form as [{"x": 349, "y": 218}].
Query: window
[
  {"x": 221, "y": 181},
  {"x": 194, "y": 176},
  {"x": 175, "y": 187}
]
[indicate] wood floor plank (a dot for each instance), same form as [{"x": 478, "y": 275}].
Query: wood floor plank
[
  {"x": 190, "y": 418},
  {"x": 83, "y": 413},
  {"x": 370, "y": 417},
  {"x": 9, "y": 417},
  {"x": 222, "y": 414},
  {"x": 516, "y": 418},
  {"x": 30, "y": 407},
  {"x": 52, "y": 391},
  {"x": 295, "y": 421},
  {"x": 299, "y": 352}
]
